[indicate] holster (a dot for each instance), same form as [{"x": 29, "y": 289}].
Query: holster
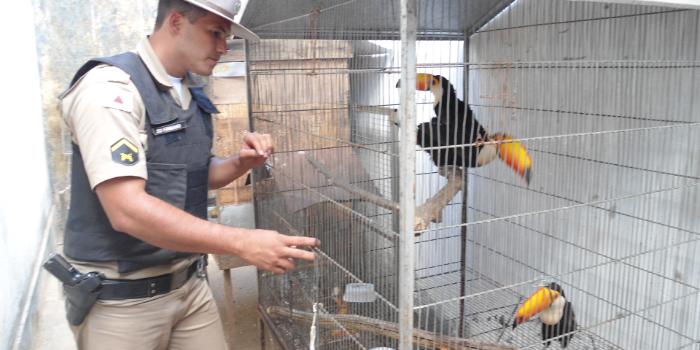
[{"x": 81, "y": 296}]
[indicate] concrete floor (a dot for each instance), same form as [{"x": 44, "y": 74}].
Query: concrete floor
[{"x": 235, "y": 291}]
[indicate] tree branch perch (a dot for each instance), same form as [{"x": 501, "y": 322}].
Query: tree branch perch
[
  {"x": 356, "y": 323},
  {"x": 430, "y": 211}
]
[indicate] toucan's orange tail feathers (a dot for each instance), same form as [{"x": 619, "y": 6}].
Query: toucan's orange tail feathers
[{"x": 515, "y": 155}]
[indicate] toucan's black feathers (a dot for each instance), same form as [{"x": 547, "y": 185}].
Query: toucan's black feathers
[
  {"x": 567, "y": 324},
  {"x": 453, "y": 124},
  {"x": 557, "y": 288}
]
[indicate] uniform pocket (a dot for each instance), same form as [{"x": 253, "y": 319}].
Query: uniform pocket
[{"x": 168, "y": 182}]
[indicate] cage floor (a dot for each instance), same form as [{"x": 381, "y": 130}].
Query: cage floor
[{"x": 489, "y": 310}]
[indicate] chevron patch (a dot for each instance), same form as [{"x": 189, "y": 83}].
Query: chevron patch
[{"x": 124, "y": 152}]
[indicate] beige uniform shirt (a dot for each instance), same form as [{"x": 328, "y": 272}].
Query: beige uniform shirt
[{"x": 104, "y": 110}]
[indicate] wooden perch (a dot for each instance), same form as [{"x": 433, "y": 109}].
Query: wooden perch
[
  {"x": 376, "y": 110},
  {"x": 368, "y": 196},
  {"x": 356, "y": 323},
  {"x": 431, "y": 210},
  {"x": 391, "y": 112}
]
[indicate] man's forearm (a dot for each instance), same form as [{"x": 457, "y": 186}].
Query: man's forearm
[
  {"x": 162, "y": 224},
  {"x": 132, "y": 210},
  {"x": 224, "y": 170}
]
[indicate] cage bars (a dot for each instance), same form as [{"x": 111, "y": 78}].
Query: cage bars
[{"x": 602, "y": 98}]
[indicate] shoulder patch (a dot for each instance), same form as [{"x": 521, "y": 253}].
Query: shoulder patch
[
  {"x": 121, "y": 100},
  {"x": 124, "y": 152},
  {"x": 111, "y": 74}
]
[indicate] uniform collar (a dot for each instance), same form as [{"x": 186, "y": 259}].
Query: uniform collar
[
  {"x": 152, "y": 62},
  {"x": 155, "y": 67}
]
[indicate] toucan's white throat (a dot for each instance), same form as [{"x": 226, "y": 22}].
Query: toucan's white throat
[
  {"x": 488, "y": 153},
  {"x": 554, "y": 312},
  {"x": 437, "y": 93}
]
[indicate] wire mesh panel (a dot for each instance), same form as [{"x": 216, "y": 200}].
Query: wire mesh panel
[
  {"x": 301, "y": 94},
  {"x": 556, "y": 172}
]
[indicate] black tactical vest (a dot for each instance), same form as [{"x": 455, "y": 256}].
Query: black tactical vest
[{"x": 179, "y": 148}]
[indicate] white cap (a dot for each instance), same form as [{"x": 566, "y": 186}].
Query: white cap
[{"x": 226, "y": 9}]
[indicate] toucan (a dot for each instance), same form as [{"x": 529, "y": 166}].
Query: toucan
[
  {"x": 454, "y": 124},
  {"x": 556, "y": 314}
]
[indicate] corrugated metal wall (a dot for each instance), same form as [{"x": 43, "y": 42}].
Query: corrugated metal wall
[{"x": 606, "y": 98}]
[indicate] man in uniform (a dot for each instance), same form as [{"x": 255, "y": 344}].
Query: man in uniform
[{"x": 142, "y": 165}]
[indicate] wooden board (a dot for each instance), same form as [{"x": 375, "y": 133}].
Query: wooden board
[
  {"x": 289, "y": 49},
  {"x": 235, "y": 193},
  {"x": 227, "y": 90},
  {"x": 235, "y": 53},
  {"x": 228, "y": 132},
  {"x": 307, "y": 102},
  {"x": 287, "y": 85},
  {"x": 294, "y": 94},
  {"x": 234, "y": 110}
]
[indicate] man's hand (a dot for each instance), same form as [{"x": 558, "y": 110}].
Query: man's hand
[
  {"x": 161, "y": 224},
  {"x": 255, "y": 149},
  {"x": 273, "y": 251}
]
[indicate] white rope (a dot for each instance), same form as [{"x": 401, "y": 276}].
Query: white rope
[{"x": 312, "y": 331}]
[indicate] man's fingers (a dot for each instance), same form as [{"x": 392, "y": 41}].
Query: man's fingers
[
  {"x": 253, "y": 141},
  {"x": 285, "y": 264},
  {"x": 249, "y": 153},
  {"x": 267, "y": 143},
  {"x": 278, "y": 270},
  {"x": 301, "y": 241},
  {"x": 262, "y": 143},
  {"x": 297, "y": 253}
]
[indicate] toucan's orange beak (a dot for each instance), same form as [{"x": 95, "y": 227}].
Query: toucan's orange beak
[
  {"x": 536, "y": 303},
  {"x": 513, "y": 153},
  {"x": 423, "y": 81}
]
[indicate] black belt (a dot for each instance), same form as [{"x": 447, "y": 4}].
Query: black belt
[{"x": 148, "y": 287}]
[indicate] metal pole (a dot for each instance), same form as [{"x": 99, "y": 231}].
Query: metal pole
[
  {"x": 251, "y": 119},
  {"x": 256, "y": 215},
  {"x": 465, "y": 204},
  {"x": 407, "y": 159}
]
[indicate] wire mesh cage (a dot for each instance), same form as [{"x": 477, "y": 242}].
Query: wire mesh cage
[{"x": 556, "y": 172}]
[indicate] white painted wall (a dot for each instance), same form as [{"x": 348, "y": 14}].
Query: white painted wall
[
  {"x": 587, "y": 68},
  {"x": 24, "y": 180},
  {"x": 380, "y": 90},
  {"x": 44, "y": 42}
]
